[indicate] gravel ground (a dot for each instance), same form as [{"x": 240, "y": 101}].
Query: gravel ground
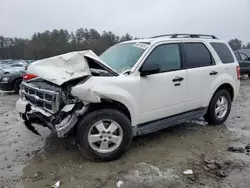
[{"x": 156, "y": 160}]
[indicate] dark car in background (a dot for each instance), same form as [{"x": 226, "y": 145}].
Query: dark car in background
[
  {"x": 243, "y": 57},
  {"x": 11, "y": 81}
]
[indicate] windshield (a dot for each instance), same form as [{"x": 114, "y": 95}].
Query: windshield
[{"x": 122, "y": 57}]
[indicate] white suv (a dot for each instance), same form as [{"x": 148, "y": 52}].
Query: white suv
[{"x": 133, "y": 88}]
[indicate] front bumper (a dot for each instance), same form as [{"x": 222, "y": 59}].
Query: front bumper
[
  {"x": 6, "y": 86},
  {"x": 30, "y": 114}
]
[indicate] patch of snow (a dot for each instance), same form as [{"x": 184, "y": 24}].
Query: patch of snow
[
  {"x": 149, "y": 175},
  {"x": 188, "y": 172},
  {"x": 119, "y": 184}
]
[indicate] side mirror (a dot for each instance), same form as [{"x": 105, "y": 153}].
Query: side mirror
[{"x": 150, "y": 68}]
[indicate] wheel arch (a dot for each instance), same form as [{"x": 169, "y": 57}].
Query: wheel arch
[
  {"x": 226, "y": 86},
  {"x": 15, "y": 79},
  {"x": 109, "y": 96},
  {"x": 110, "y": 103}
]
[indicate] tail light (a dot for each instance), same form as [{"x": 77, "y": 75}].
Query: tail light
[
  {"x": 29, "y": 76},
  {"x": 238, "y": 72}
]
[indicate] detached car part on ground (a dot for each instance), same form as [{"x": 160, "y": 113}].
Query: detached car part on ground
[
  {"x": 134, "y": 88},
  {"x": 11, "y": 81}
]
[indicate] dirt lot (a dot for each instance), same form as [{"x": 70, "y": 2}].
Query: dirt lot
[{"x": 156, "y": 160}]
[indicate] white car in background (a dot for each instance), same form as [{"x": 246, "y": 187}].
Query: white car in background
[
  {"x": 14, "y": 67},
  {"x": 5, "y": 69},
  {"x": 21, "y": 66}
]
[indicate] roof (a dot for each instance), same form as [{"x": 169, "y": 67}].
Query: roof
[
  {"x": 177, "y": 37},
  {"x": 245, "y": 51}
]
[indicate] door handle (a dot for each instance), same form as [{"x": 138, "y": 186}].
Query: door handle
[
  {"x": 177, "y": 79},
  {"x": 213, "y": 72}
]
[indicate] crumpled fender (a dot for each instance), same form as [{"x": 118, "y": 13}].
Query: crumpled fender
[{"x": 95, "y": 93}]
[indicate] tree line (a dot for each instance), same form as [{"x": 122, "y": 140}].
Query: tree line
[
  {"x": 51, "y": 43},
  {"x": 237, "y": 44}
]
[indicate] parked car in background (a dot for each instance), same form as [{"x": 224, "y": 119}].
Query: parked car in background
[
  {"x": 21, "y": 66},
  {"x": 5, "y": 62},
  {"x": 5, "y": 69},
  {"x": 15, "y": 67},
  {"x": 243, "y": 57},
  {"x": 11, "y": 81}
]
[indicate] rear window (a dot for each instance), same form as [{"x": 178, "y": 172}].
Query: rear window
[{"x": 223, "y": 52}]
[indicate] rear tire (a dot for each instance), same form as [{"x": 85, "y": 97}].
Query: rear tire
[
  {"x": 248, "y": 75},
  {"x": 219, "y": 108},
  {"x": 16, "y": 85},
  {"x": 104, "y": 135}
]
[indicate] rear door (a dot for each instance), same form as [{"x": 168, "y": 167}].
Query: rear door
[{"x": 201, "y": 73}]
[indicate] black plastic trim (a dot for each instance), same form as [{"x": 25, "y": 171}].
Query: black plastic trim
[
  {"x": 184, "y": 34},
  {"x": 163, "y": 123}
]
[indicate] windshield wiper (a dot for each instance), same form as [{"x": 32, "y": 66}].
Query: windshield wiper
[{"x": 127, "y": 72}]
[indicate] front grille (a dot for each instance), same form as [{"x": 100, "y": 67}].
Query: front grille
[{"x": 42, "y": 98}]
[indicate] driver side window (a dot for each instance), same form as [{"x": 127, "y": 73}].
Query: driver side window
[{"x": 167, "y": 56}]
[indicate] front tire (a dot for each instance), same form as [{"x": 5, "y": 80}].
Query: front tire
[
  {"x": 248, "y": 75},
  {"x": 16, "y": 85},
  {"x": 104, "y": 135},
  {"x": 219, "y": 108}
]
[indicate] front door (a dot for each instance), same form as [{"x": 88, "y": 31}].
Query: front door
[{"x": 163, "y": 94}]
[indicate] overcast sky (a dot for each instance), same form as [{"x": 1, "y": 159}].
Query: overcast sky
[{"x": 141, "y": 18}]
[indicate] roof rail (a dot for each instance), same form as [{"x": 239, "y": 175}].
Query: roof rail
[{"x": 186, "y": 36}]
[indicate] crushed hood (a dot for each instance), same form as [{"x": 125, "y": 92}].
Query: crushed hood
[{"x": 62, "y": 68}]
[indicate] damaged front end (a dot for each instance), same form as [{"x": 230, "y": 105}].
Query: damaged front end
[
  {"x": 47, "y": 99},
  {"x": 50, "y": 106}
]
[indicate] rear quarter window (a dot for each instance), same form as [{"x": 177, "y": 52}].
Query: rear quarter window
[{"x": 223, "y": 52}]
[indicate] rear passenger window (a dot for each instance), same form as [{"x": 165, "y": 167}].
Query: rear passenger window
[
  {"x": 196, "y": 55},
  {"x": 223, "y": 52}
]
